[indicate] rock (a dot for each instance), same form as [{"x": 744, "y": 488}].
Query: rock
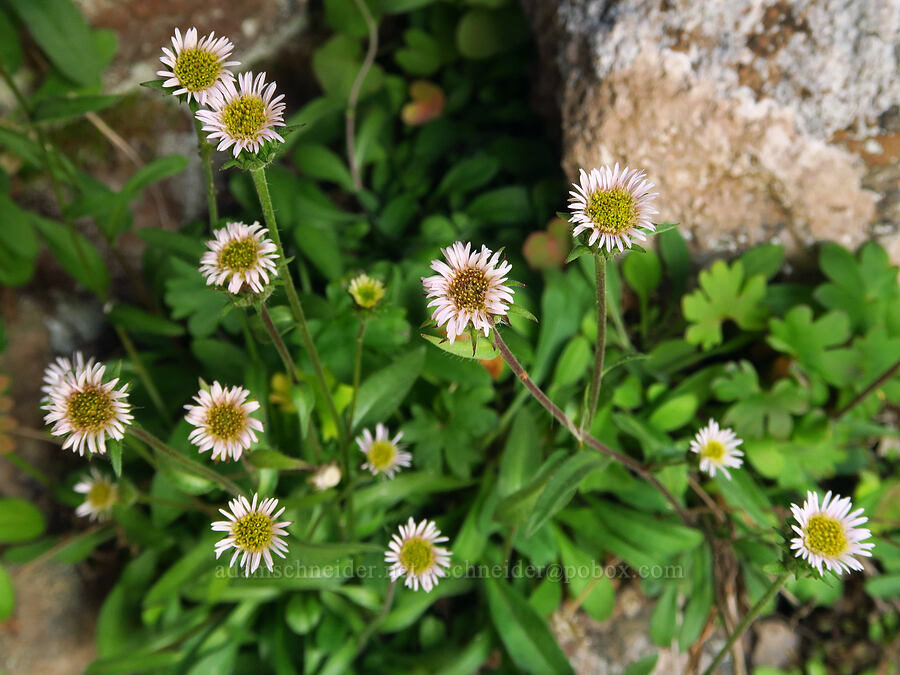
[
  {"x": 759, "y": 120},
  {"x": 776, "y": 644}
]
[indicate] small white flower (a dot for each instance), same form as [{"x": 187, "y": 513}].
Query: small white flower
[
  {"x": 101, "y": 494},
  {"x": 413, "y": 553},
  {"x": 244, "y": 118},
  {"x": 830, "y": 535},
  {"x": 196, "y": 65},
  {"x": 366, "y": 291},
  {"x": 386, "y": 456},
  {"x": 87, "y": 409},
  {"x": 240, "y": 254},
  {"x": 470, "y": 289},
  {"x": 252, "y": 530},
  {"x": 57, "y": 370},
  {"x": 326, "y": 477},
  {"x": 222, "y": 418},
  {"x": 613, "y": 205},
  {"x": 717, "y": 449}
]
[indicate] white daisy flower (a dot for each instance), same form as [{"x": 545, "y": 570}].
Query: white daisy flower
[
  {"x": 57, "y": 370},
  {"x": 222, "y": 418},
  {"x": 101, "y": 494},
  {"x": 413, "y": 553},
  {"x": 830, "y": 535},
  {"x": 613, "y": 205},
  {"x": 252, "y": 530},
  {"x": 87, "y": 409},
  {"x": 244, "y": 118},
  {"x": 326, "y": 477},
  {"x": 470, "y": 289},
  {"x": 240, "y": 254},
  {"x": 717, "y": 448},
  {"x": 366, "y": 291},
  {"x": 197, "y": 64},
  {"x": 386, "y": 455}
]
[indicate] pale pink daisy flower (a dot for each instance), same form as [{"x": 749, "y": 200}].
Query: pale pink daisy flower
[
  {"x": 81, "y": 406},
  {"x": 413, "y": 554},
  {"x": 57, "y": 370},
  {"x": 100, "y": 495},
  {"x": 385, "y": 455},
  {"x": 244, "y": 117},
  {"x": 613, "y": 205},
  {"x": 830, "y": 535},
  {"x": 254, "y": 531},
  {"x": 222, "y": 418},
  {"x": 196, "y": 65},
  {"x": 240, "y": 254},
  {"x": 468, "y": 289},
  {"x": 717, "y": 448}
]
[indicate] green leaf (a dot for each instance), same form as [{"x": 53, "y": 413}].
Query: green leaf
[
  {"x": 644, "y": 666},
  {"x": 10, "y": 47},
  {"x": 303, "y": 612},
  {"x": 649, "y": 532},
  {"x": 155, "y": 171},
  {"x": 383, "y": 391},
  {"x": 18, "y": 244},
  {"x": 578, "y": 251},
  {"x": 742, "y": 492},
  {"x": 765, "y": 260},
  {"x": 75, "y": 254},
  {"x": 561, "y": 487},
  {"x": 114, "y": 448},
  {"x": 20, "y": 520},
  {"x": 674, "y": 412},
  {"x": 643, "y": 272},
  {"x": 518, "y": 310},
  {"x": 398, "y": 6},
  {"x": 60, "y": 30},
  {"x": 601, "y": 600},
  {"x": 80, "y": 546},
  {"x": 468, "y": 174},
  {"x": 7, "y": 595},
  {"x": 663, "y": 619},
  {"x": 322, "y": 163},
  {"x": 181, "y": 244},
  {"x": 64, "y": 107},
  {"x": 484, "y": 349},
  {"x": 523, "y": 632},
  {"x": 724, "y": 294},
  {"x": 483, "y": 33},
  {"x": 677, "y": 258},
  {"x": 574, "y": 362},
  {"x": 263, "y": 458},
  {"x": 336, "y": 64},
  {"x": 700, "y": 598},
  {"x": 421, "y": 55},
  {"x": 137, "y": 320},
  {"x": 521, "y": 456},
  {"x": 808, "y": 341},
  {"x": 501, "y": 206}
]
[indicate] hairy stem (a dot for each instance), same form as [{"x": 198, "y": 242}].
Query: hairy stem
[
  {"x": 747, "y": 620},
  {"x": 600, "y": 348},
  {"x": 280, "y": 347},
  {"x": 206, "y": 160},
  {"x": 142, "y": 372},
  {"x": 582, "y": 437},
  {"x": 353, "y": 98},
  {"x": 376, "y": 622}
]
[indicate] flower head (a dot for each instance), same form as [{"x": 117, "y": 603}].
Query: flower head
[
  {"x": 100, "y": 495},
  {"x": 253, "y": 530},
  {"x": 326, "y": 477},
  {"x": 830, "y": 535},
  {"x": 717, "y": 448},
  {"x": 239, "y": 255},
  {"x": 196, "y": 65},
  {"x": 83, "y": 407},
  {"x": 57, "y": 370},
  {"x": 366, "y": 291},
  {"x": 244, "y": 117},
  {"x": 613, "y": 205},
  {"x": 385, "y": 455},
  {"x": 222, "y": 418},
  {"x": 468, "y": 288},
  {"x": 413, "y": 553}
]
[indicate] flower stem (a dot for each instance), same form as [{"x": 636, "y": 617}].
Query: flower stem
[
  {"x": 353, "y": 98},
  {"x": 280, "y": 347},
  {"x": 142, "y": 372},
  {"x": 357, "y": 370},
  {"x": 580, "y": 436},
  {"x": 195, "y": 467},
  {"x": 265, "y": 200},
  {"x": 600, "y": 348},
  {"x": 864, "y": 394},
  {"x": 745, "y": 622},
  {"x": 206, "y": 160},
  {"x": 376, "y": 622}
]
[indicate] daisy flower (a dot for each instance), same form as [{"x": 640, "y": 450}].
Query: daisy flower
[
  {"x": 830, "y": 535},
  {"x": 366, "y": 291},
  {"x": 326, "y": 476},
  {"x": 240, "y": 254},
  {"x": 243, "y": 117},
  {"x": 57, "y": 370},
  {"x": 613, "y": 205},
  {"x": 101, "y": 494},
  {"x": 470, "y": 289},
  {"x": 386, "y": 456},
  {"x": 253, "y": 530},
  {"x": 717, "y": 448},
  {"x": 83, "y": 407},
  {"x": 222, "y": 418},
  {"x": 413, "y": 553},
  {"x": 196, "y": 65}
]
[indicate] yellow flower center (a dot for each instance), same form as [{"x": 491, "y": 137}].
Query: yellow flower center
[
  {"x": 253, "y": 532},
  {"x": 469, "y": 289},
  {"x": 613, "y": 211},
  {"x": 381, "y": 455},
  {"x": 244, "y": 117},
  {"x": 101, "y": 495},
  {"x": 417, "y": 555},
  {"x": 197, "y": 69},
  {"x": 367, "y": 293},
  {"x": 825, "y": 536},
  {"x": 90, "y": 410},
  {"x": 240, "y": 255},
  {"x": 713, "y": 450},
  {"x": 226, "y": 421}
]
